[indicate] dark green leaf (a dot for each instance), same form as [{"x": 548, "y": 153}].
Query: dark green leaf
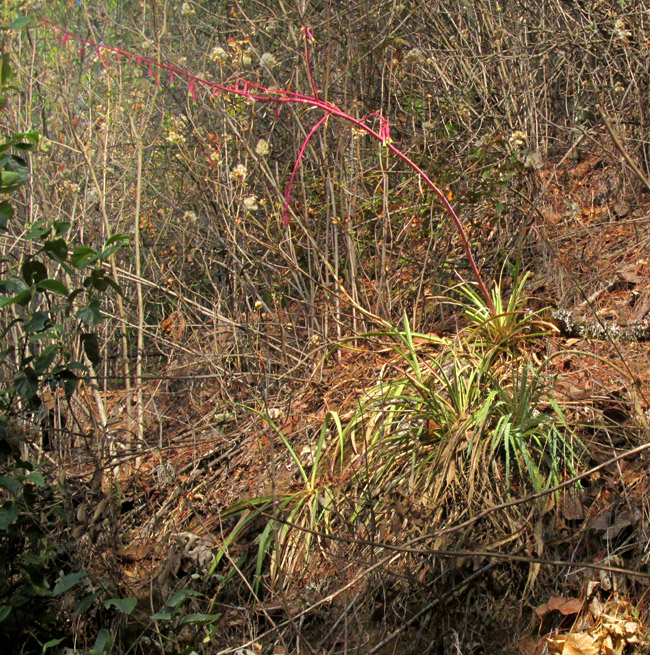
[
  {"x": 6, "y": 72},
  {"x": 107, "y": 252},
  {"x": 82, "y": 256},
  {"x": 33, "y": 271},
  {"x": 179, "y": 596},
  {"x": 5, "y": 610},
  {"x": 18, "y": 600},
  {"x": 86, "y": 602},
  {"x": 24, "y": 147},
  {"x": 91, "y": 347},
  {"x": 90, "y": 314},
  {"x": 21, "y": 299},
  {"x": 53, "y": 331},
  {"x": 63, "y": 376},
  {"x": 45, "y": 359},
  {"x": 10, "y": 484},
  {"x": 60, "y": 228},
  {"x": 38, "y": 322},
  {"x": 31, "y": 135},
  {"x": 67, "y": 582},
  {"x": 164, "y": 615},
  {"x": 52, "y": 643},
  {"x": 67, "y": 368},
  {"x": 10, "y": 181},
  {"x": 53, "y": 285},
  {"x": 103, "y": 643},
  {"x": 15, "y": 173},
  {"x": 70, "y": 302},
  {"x": 26, "y": 382},
  {"x": 100, "y": 281},
  {"x": 199, "y": 619},
  {"x": 39, "y": 230},
  {"x": 8, "y": 515},
  {"x": 118, "y": 238},
  {"x": 12, "y": 285},
  {"x": 6, "y": 214},
  {"x": 36, "y": 478},
  {"x": 57, "y": 249},
  {"x": 126, "y": 605}
]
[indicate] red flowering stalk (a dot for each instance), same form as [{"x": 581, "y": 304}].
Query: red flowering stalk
[{"x": 255, "y": 92}]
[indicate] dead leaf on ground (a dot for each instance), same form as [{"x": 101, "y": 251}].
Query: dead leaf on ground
[
  {"x": 559, "y": 604},
  {"x": 629, "y": 274},
  {"x": 574, "y": 644},
  {"x": 572, "y": 508}
]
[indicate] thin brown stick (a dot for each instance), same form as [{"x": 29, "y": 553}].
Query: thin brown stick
[{"x": 621, "y": 149}]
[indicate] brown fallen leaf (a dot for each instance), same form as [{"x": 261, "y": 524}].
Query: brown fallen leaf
[
  {"x": 578, "y": 393},
  {"x": 629, "y": 274},
  {"x": 555, "y": 602},
  {"x": 572, "y": 508},
  {"x": 620, "y": 208},
  {"x": 572, "y": 606}
]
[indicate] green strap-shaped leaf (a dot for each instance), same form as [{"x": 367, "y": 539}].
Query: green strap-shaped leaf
[
  {"x": 126, "y": 605},
  {"x": 67, "y": 582}
]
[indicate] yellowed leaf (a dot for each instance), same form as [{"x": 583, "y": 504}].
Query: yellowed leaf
[
  {"x": 581, "y": 644},
  {"x": 555, "y": 645}
]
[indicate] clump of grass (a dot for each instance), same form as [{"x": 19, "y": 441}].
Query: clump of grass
[
  {"x": 285, "y": 514},
  {"x": 474, "y": 410},
  {"x": 456, "y": 419},
  {"x": 536, "y": 442},
  {"x": 510, "y": 322}
]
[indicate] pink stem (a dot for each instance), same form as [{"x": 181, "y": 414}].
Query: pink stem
[{"x": 287, "y": 193}]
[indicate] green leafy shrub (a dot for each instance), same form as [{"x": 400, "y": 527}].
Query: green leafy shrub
[{"x": 50, "y": 304}]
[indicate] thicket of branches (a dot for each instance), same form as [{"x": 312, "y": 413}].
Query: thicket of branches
[{"x": 480, "y": 94}]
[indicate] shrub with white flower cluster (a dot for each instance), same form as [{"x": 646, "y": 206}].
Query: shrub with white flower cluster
[
  {"x": 267, "y": 60},
  {"x": 218, "y": 55},
  {"x": 262, "y": 148},
  {"x": 250, "y": 203},
  {"x": 238, "y": 174}
]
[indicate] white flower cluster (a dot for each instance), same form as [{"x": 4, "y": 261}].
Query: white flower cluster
[
  {"x": 415, "y": 56},
  {"x": 534, "y": 160},
  {"x": 186, "y": 9},
  {"x": 238, "y": 174},
  {"x": 174, "y": 133},
  {"x": 218, "y": 55},
  {"x": 262, "y": 148},
  {"x": 601, "y": 329},
  {"x": 267, "y": 60},
  {"x": 621, "y": 33},
  {"x": 641, "y": 330},
  {"x": 517, "y": 139},
  {"x": 564, "y": 318}
]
